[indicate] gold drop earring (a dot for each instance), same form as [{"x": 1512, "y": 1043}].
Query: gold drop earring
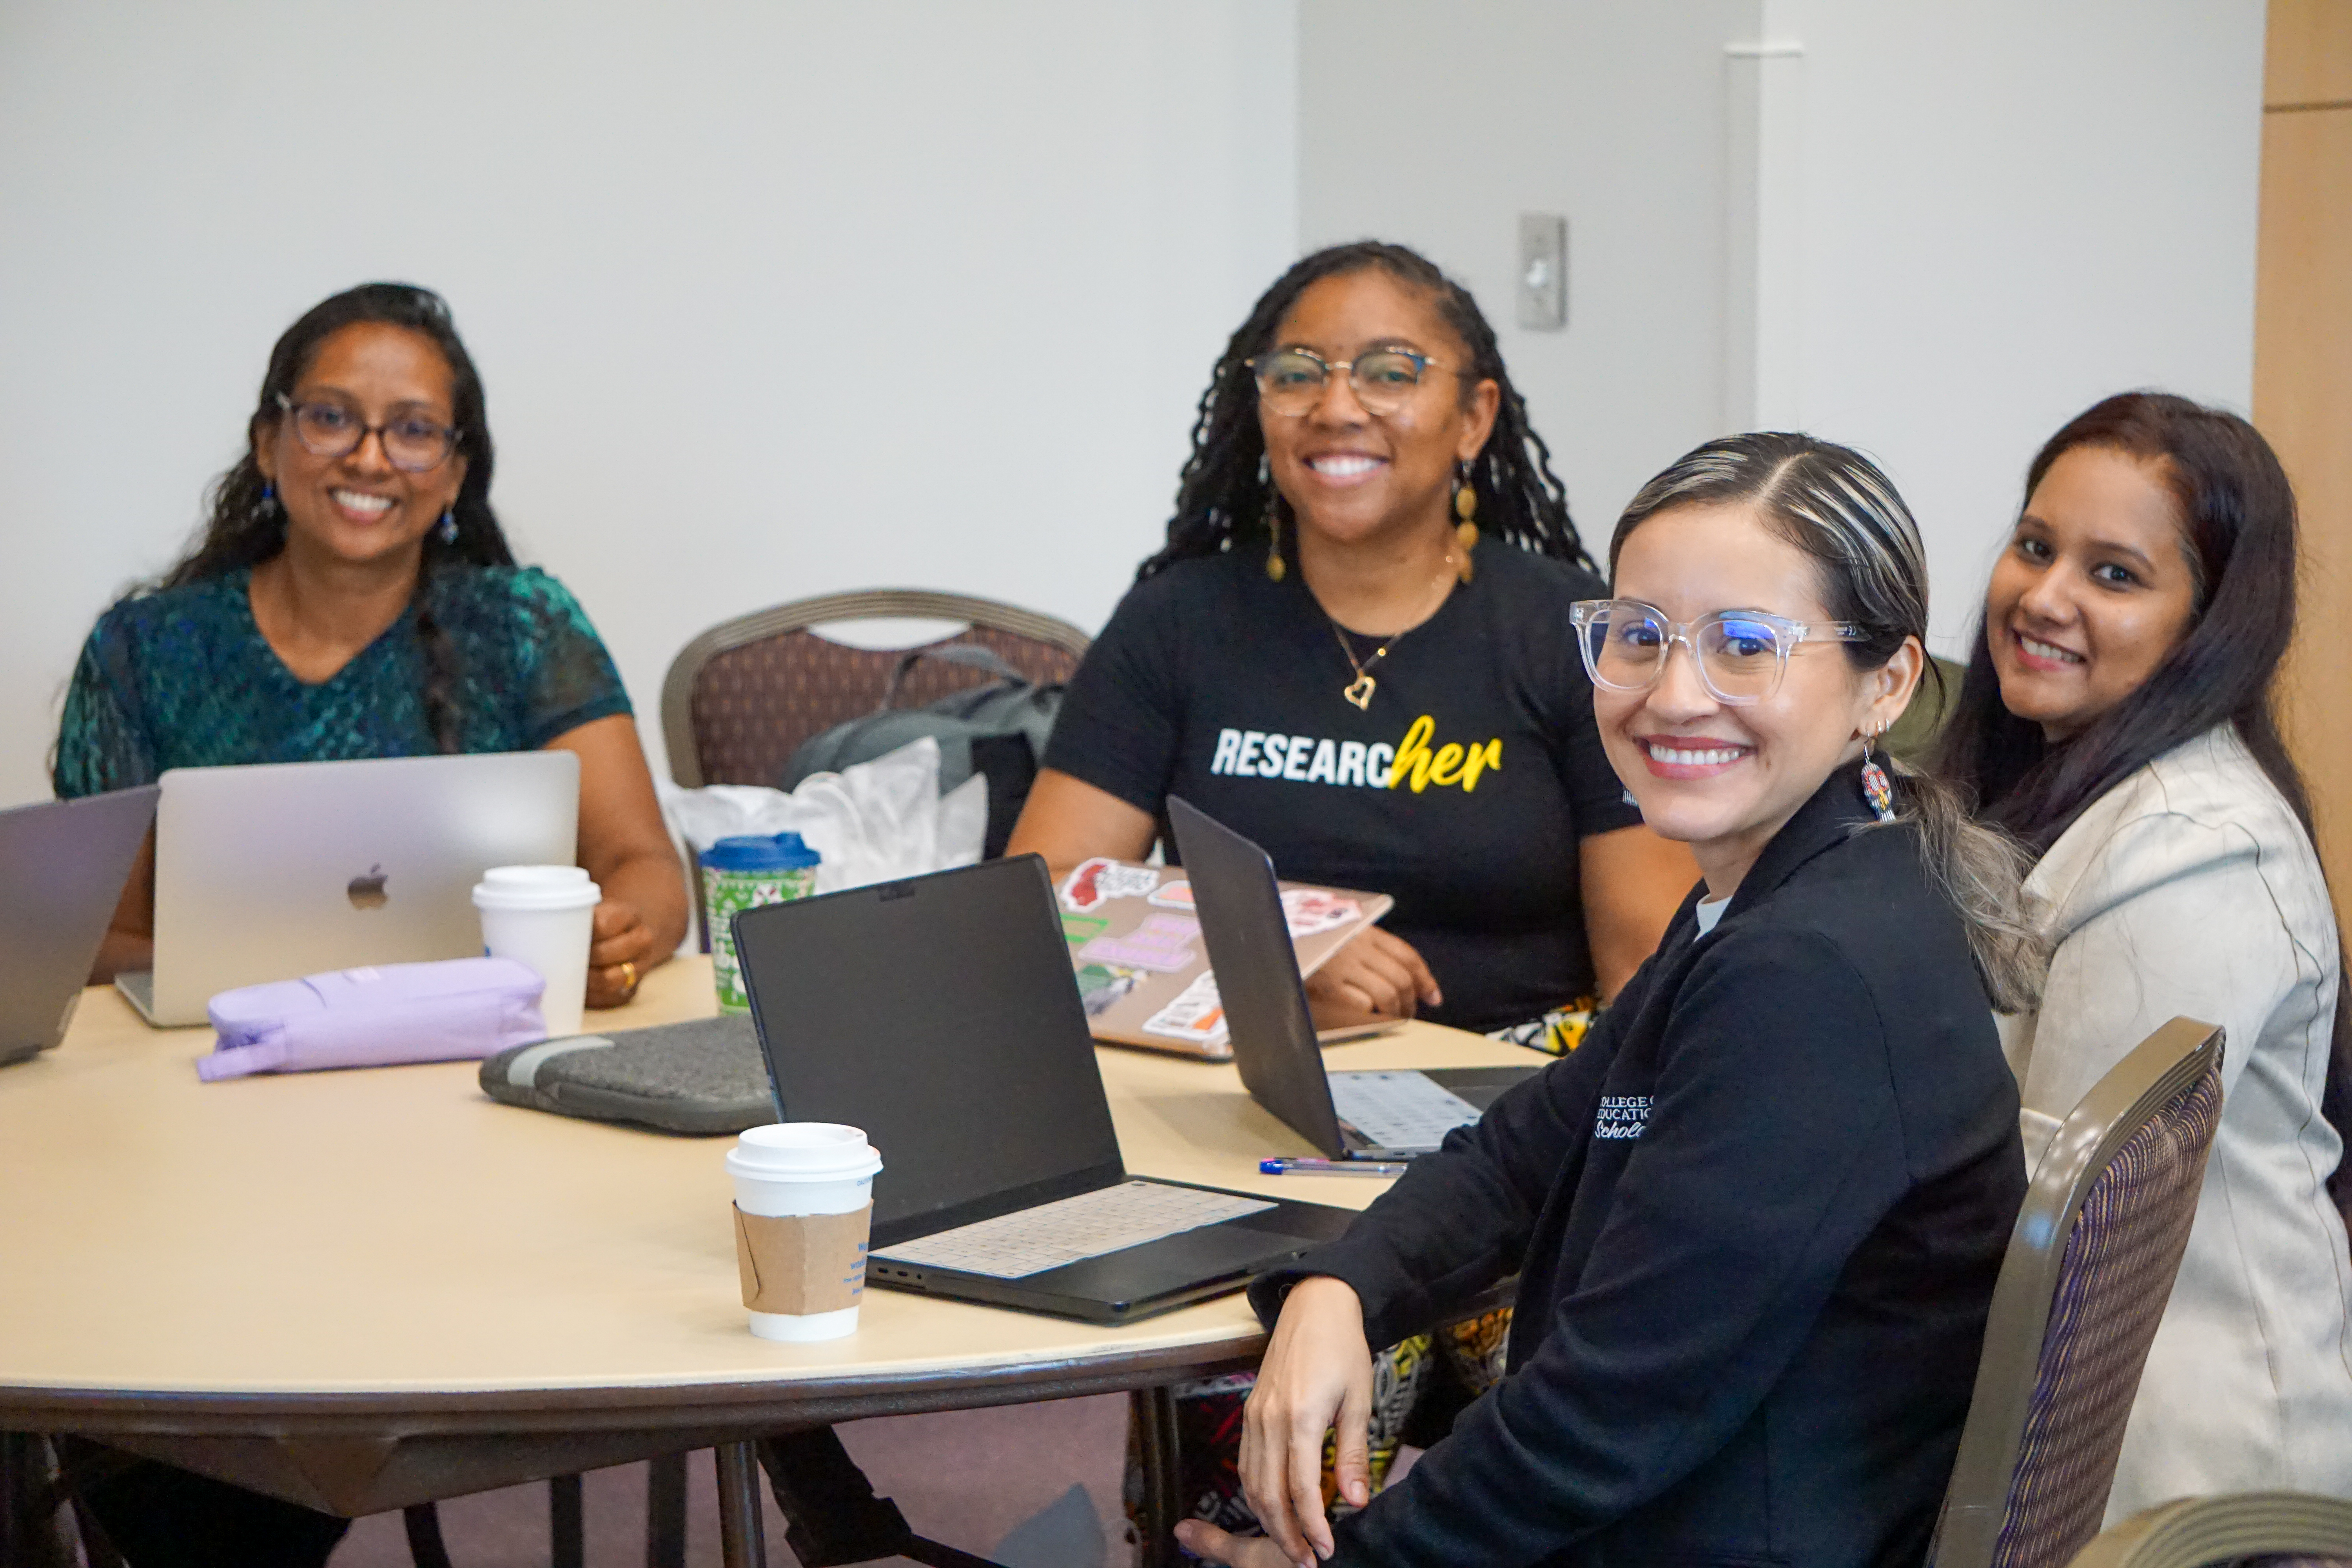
[
  {"x": 1274, "y": 566},
  {"x": 1465, "y": 533}
]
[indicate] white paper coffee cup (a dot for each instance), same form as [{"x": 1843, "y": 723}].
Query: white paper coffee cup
[
  {"x": 803, "y": 1208},
  {"x": 544, "y": 916}
]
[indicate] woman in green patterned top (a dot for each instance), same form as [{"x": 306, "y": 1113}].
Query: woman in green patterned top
[{"x": 353, "y": 597}]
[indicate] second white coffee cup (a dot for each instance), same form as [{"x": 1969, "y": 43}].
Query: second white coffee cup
[
  {"x": 821, "y": 1172},
  {"x": 544, "y": 916}
]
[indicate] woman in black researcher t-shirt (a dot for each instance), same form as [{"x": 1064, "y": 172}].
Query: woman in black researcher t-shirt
[{"x": 1325, "y": 658}]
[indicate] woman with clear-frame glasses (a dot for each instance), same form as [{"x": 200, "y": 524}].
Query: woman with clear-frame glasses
[{"x": 1756, "y": 1217}]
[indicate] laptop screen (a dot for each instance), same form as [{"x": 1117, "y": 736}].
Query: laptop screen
[
  {"x": 1241, "y": 923},
  {"x": 62, "y": 867},
  {"x": 941, "y": 1015}
]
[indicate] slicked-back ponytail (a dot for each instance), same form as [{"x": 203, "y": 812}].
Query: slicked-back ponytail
[{"x": 1836, "y": 506}]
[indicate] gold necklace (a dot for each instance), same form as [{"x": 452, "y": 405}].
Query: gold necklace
[{"x": 1360, "y": 691}]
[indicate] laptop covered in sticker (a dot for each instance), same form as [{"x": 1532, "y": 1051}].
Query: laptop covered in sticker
[{"x": 1143, "y": 974}]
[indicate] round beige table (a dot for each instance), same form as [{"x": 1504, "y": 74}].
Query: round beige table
[{"x": 358, "y": 1291}]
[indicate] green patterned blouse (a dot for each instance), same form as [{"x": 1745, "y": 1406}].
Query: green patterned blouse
[{"x": 183, "y": 677}]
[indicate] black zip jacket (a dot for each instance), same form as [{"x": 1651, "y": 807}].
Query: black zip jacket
[{"x": 1755, "y": 1219}]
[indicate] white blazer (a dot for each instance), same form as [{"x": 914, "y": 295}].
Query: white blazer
[{"x": 2189, "y": 888}]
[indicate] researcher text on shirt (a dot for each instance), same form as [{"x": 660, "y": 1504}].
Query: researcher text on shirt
[{"x": 1462, "y": 788}]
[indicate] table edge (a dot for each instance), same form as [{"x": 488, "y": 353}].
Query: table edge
[{"x": 795, "y": 1401}]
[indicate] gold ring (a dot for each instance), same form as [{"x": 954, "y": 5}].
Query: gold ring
[{"x": 628, "y": 978}]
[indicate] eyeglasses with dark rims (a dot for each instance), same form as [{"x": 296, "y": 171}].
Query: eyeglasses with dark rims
[
  {"x": 329, "y": 427},
  {"x": 1290, "y": 382},
  {"x": 1741, "y": 654}
]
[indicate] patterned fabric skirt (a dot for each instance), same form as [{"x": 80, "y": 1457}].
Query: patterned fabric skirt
[
  {"x": 1418, "y": 1385},
  {"x": 1556, "y": 1033}
]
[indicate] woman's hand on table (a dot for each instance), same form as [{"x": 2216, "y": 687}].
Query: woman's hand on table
[
  {"x": 620, "y": 950},
  {"x": 628, "y": 854},
  {"x": 1317, "y": 1377},
  {"x": 1374, "y": 978}
]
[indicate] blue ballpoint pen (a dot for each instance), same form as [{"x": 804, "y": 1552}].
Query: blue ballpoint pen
[{"x": 1279, "y": 1165}]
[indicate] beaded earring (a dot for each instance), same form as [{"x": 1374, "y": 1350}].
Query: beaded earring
[
  {"x": 446, "y": 529},
  {"x": 1275, "y": 567},
  {"x": 1465, "y": 531},
  {"x": 269, "y": 495},
  {"x": 1876, "y": 786}
]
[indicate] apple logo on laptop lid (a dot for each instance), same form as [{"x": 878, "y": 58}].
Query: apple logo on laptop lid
[{"x": 367, "y": 892}]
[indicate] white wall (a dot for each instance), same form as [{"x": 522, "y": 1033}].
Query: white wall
[
  {"x": 780, "y": 296},
  {"x": 1978, "y": 219},
  {"x": 1437, "y": 125},
  {"x": 2011, "y": 209},
  {"x": 772, "y": 297}
]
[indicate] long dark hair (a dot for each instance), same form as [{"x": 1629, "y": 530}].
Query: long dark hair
[
  {"x": 1222, "y": 495},
  {"x": 1836, "y": 506},
  {"x": 2238, "y": 529},
  {"x": 2237, "y": 515},
  {"x": 246, "y": 523}
]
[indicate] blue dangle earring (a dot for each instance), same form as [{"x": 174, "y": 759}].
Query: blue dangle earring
[
  {"x": 1876, "y": 786},
  {"x": 447, "y": 531},
  {"x": 269, "y": 495}
]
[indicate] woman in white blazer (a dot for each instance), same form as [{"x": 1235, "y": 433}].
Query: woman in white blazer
[{"x": 2116, "y": 715}]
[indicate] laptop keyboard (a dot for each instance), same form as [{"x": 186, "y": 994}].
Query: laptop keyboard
[
  {"x": 1399, "y": 1110},
  {"x": 1070, "y": 1230}
]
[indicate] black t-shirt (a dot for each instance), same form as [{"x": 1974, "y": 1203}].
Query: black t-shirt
[{"x": 1461, "y": 790}]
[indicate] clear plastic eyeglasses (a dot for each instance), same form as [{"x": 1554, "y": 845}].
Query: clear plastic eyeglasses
[
  {"x": 1741, "y": 654},
  {"x": 1290, "y": 382},
  {"x": 412, "y": 443}
]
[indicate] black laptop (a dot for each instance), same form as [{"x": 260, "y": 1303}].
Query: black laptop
[
  {"x": 63, "y": 865},
  {"x": 941, "y": 1015},
  {"x": 1391, "y": 1115}
]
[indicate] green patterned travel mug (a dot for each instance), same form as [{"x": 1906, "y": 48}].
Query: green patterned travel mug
[{"x": 740, "y": 874}]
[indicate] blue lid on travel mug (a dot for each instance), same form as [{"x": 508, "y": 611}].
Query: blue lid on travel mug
[{"x": 757, "y": 852}]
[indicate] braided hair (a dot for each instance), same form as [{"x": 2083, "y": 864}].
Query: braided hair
[
  {"x": 246, "y": 523},
  {"x": 1223, "y": 492}
]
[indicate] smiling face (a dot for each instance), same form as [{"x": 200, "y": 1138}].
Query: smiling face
[
  {"x": 1352, "y": 477},
  {"x": 2093, "y": 592},
  {"x": 1721, "y": 778},
  {"x": 359, "y": 508}
]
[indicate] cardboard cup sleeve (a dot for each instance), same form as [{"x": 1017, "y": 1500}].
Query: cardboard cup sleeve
[{"x": 802, "y": 1264}]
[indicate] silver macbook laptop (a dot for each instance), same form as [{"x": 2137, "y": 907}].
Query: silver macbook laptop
[
  {"x": 62, "y": 867},
  {"x": 281, "y": 870},
  {"x": 1348, "y": 1115}
]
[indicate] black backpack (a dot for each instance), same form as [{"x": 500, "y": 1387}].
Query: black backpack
[{"x": 999, "y": 730}]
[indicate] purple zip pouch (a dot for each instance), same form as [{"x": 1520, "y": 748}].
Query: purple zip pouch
[{"x": 460, "y": 1009}]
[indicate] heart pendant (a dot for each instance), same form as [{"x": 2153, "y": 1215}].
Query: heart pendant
[{"x": 1360, "y": 692}]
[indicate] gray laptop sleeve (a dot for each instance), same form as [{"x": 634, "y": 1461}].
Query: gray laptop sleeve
[{"x": 705, "y": 1077}]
